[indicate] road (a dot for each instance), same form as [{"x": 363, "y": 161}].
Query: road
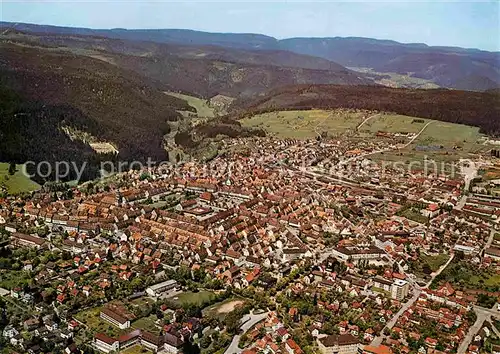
[
  {"x": 416, "y": 136},
  {"x": 388, "y": 149},
  {"x": 443, "y": 267},
  {"x": 378, "y": 340},
  {"x": 469, "y": 170},
  {"x": 248, "y": 321},
  {"x": 490, "y": 239},
  {"x": 483, "y": 314},
  {"x": 417, "y": 291},
  {"x": 366, "y": 120}
]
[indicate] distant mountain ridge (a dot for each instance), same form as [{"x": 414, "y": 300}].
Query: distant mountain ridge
[
  {"x": 204, "y": 71},
  {"x": 452, "y": 67}
]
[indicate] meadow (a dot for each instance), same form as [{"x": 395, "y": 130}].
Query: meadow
[
  {"x": 306, "y": 124},
  {"x": 18, "y": 182},
  {"x": 201, "y": 105}
]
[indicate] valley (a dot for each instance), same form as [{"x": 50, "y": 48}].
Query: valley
[{"x": 234, "y": 193}]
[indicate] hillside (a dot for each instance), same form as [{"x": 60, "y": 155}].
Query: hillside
[
  {"x": 205, "y": 70},
  {"x": 445, "y": 66},
  {"x": 43, "y": 91},
  {"x": 452, "y": 67},
  {"x": 472, "y": 108}
]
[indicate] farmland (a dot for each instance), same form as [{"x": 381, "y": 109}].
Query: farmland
[{"x": 306, "y": 124}]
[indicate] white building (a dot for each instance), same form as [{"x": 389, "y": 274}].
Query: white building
[
  {"x": 400, "y": 289},
  {"x": 115, "y": 318},
  {"x": 158, "y": 289},
  {"x": 105, "y": 344}
]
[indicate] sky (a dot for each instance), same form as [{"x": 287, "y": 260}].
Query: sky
[{"x": 470, "y": 24}]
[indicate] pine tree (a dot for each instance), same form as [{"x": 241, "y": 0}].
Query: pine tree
[{"x": 12, "y": 168}]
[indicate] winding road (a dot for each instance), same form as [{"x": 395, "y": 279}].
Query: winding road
[{"x": 248, "y": 321}]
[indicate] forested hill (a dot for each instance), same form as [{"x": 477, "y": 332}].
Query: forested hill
[
  {"x": 463, "y": 107},
  {"x": 43, "y": 91},
  {"x": 452, "y": 67}
]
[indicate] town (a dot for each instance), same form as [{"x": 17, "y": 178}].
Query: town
[{"x": 277, "y": 246}]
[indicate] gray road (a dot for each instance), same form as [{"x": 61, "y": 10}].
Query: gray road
[
  {"x": 378, "y": 340},
  {"x": 248, "y": 321},
  {"x": 483, "y": 314}
]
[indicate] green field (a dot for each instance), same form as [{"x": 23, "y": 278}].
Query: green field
[
  {"x": 434, "y": 262},
  {"x": 398, "y": 80},
  {"x": 17, "y": 183},
  {"x": 413, "y": 215},
  {"x": 147, "y": 323},
  {"x": 466, "y": 276},
  {"x": 202, "y": 107},
  {"x": 305, "y": 124},
  {"x": 393, "y": 123},
  {"x": 449, "y": 134},
  {"x": 190, "y": 297}
]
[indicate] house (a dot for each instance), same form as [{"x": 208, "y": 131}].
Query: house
[
  {"x": 381, "y": 349},
  {"x": 172, "y": 343},
  {"x": 339, "y": 344},
  {"x": 446, "y": 290},
  {"x": 431, "y": 211},
  {"x": 31, "y": 323},
  {"x": 10, "y": 332},
  {"x": 493, "y": 253},
  {"x": 292, "y": 347},
  {"x": 382, "y": 283}
]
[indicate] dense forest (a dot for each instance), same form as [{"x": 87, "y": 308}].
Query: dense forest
[
  {"x": 43, "y": 91},
  {"x": 31, "y": 132},
  {"x": 463, "y": 107}
]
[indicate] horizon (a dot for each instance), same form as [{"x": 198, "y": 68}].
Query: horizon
[
  {"x": 407, "y": 23},
  {"x": 246, "y": 33}
]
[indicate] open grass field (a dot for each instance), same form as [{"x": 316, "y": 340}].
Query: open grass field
[
  {"x": 17, "y": 183},
  {"x": 486, "y": 279},
  {"x": 393, "y": 123},
  {"x": 462, "y": 275},
  {"x": 414, "y": 215},
  {"x": 434, "y": 262},
  {"x": 449, "y": 134},
  {"x": 398, "y": 80},
  {"x": 306, "y": 124},
  {"x": 202, "y": 107},
  {"x": 148, "y": 324},
  {"x": 190, "y": 297}
]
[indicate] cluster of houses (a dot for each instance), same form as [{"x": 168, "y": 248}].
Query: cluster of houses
[{"x": 244, "y": 216}]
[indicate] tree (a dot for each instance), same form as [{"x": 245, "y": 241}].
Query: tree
[
  {"x": 12, "y": 168},
  {"x": 232, "y": 322},
  {"x": 205, "y": 342}
]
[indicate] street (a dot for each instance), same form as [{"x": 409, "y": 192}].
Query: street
[
  {"x": 248, "y": 321},
  {"x": 483, "y": 314}
]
